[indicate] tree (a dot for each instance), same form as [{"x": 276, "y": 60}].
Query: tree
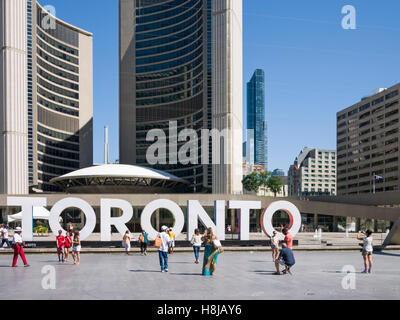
[
  {"x": 275, "y": 185},
  {"x": 251, "y": 182},
  {"x": 264, "y": 177}
]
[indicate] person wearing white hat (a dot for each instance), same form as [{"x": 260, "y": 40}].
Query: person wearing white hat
[
  {"x": 163, "y": 249},
  {"x": 18, "y": 248}
]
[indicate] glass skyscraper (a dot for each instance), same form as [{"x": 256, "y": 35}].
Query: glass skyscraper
[{"x": 257, "y": 139}]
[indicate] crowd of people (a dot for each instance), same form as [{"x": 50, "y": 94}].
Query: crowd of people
[
  {"x": 165, "y": 242},
  {"x": 64, "y": 243}
]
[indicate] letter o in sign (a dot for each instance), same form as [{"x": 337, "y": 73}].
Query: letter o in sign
[
  {"x": 290, "y": 209},
  {"x": 66, "y": 203},
  {"x": 172, "y": 207}
]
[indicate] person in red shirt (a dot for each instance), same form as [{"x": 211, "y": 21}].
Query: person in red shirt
[
  {"x": 288, "y": 238},
  {"x": 60, "y": 246},
  {"x": 67, "y": 245}
]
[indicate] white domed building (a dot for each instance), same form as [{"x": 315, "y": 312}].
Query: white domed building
[{"x": 119, "y": 179}]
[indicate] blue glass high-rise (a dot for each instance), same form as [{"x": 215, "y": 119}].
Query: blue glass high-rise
[{"x": 257, "y": 139}]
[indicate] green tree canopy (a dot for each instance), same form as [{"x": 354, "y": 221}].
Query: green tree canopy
[
  {"x": 254, "y": 181},
  {"x": 275, "y": 185},
  {"x": 251, "y": 182},
  {"x": 264, "y": 177}
]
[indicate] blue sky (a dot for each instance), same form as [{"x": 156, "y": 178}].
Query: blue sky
[{"x": 313, "y": 67}]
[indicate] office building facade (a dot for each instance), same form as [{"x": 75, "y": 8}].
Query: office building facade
[
  {"x": 181, "y": 62},
  {"x": 368, "y": 144},
  {"x": 257, "y": 138},
  {"x": 47, "y": 90},
  {"x": 313, "y": 173}
]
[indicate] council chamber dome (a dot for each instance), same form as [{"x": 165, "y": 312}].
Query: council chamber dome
[{"x": 119, "y": 179}]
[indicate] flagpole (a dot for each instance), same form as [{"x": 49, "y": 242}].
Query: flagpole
[{"x": 373, "y": 183}]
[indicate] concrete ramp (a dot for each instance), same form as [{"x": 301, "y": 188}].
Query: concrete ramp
[{"x": 394, "y": 235}]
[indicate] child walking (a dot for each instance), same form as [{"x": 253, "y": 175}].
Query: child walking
[
  {"x": 60, "y": 240},
  {"x": 127, "y": 242}
]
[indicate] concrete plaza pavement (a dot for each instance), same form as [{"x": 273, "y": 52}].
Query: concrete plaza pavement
[
  {"x": 304, "y": 238},
  {"x": 244, "y": 275}
]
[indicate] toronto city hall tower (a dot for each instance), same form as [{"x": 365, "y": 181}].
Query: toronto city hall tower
[{"x": 181, "y": 61}]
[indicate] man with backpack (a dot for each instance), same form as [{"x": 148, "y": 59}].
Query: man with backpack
[{"x": 143, "y": 239}]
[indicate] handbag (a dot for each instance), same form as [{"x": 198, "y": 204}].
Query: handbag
[
  {"x": 141, "y": 238},
  {"x": 158, "y": 242},
  {"x": 217, "y": 244}
]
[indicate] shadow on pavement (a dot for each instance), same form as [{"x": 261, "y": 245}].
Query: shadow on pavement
[
  {"x": 381, "y": 253},
  {"x": 265, "y": 273},
  {"x": 146, "y": 271},
  {"x": 340, "y": 272},
  {"x": 186, "y": 274}
]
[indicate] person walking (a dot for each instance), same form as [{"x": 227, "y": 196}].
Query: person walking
[
  {"x": 163, "y": 249},
  {"x": 4, "y": 237},
  {"x": 286, "y": 259},
  {"x": 76, "y": 249},
  {"x": 196, "y": 243},
  {"x": 126, "y": 241},
  {"x": 211, "y": 252},
  {"x": 172, "y": 242},
  {"x": 67, "y": 246},
  {"x": 274, "y": 245},
  {"x": 60, "y": 241},
  {"x": 1, "y": 235},
  {"x": 18, "y": 248},
  {"x": 143, "y": 239},
  {"x": 368, "y": 248}
]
